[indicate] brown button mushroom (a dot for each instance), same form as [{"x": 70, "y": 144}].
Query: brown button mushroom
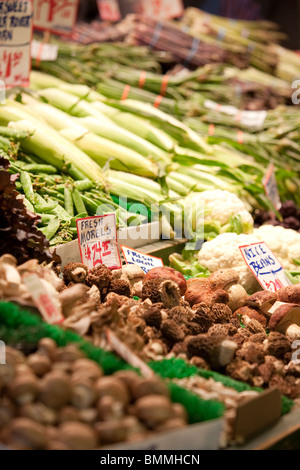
[
  {"x": 86, "y": 368},
  {"x": 166, "y": 273},
  {"x": 38, "y": 412},
  {"x": 47, "y": 347},
  {"x": 27, "y": 434},
  {"x": 83, "y": 394},
  {"x": 153, "y": 409},
  {"x": 111, "y": 432},
  {"x": 39, "y": 364},
  {"x": 149, "y": 387},
  {"x": 109, "y": 409},
  {"x": 114, "y": 387},
  {"x": 24, "y": 388},
  {"x": 262, "y": 300},
  {"x": 286, "y": 319},
  {"x": 55, "y": 389},
  {"x": 78, "y": 436}
]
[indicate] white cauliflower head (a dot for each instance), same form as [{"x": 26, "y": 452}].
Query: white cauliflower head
[
  {"x": 221, "y": 206},
  {"x": 223, "y": 251},
  {"x": 284, "y": 242}
]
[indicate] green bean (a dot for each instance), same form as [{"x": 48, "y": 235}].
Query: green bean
[
  {"x": 28, "y": 205},
  {"x": 46, "y": 218},
  {"x": 69, "y": 201},
  {"x": 60, "y": 212},
  {"x": 84, "y": 185},
  {"x": 42, "y": 206},
  {"x": 50, "y": 230},
  {"x": 36, "y": 168},
  {"x": 27, "y": 187},
  {"x": 74, "y": 172},
  {"x": 13, "y": 133},
  {"x": 78, "y": 201},
  {"x": 53, "y": 193}
]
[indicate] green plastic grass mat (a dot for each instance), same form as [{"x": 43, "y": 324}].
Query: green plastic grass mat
[
  {"x": 20, "y": 326},
  {"x": 179, "y": 369}
]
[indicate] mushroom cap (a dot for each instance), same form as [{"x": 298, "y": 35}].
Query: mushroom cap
[
  {"x": 262, "y": 300},
  {"x": 133, "y": 271},
  {"x": 166, "y": 273},
  {"x": 252, "y": 315},
  {"x": 284, "y": 316},
  {"x": 223, "y": 278},
  {"x": 290, "y": 294}
]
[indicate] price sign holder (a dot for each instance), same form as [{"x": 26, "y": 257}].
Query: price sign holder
[
  {"x": 125, "y": 353},
  {"x": 16, "y": 26},
  {"x": 42, "y": 299},
  {"x": 163, "y": 9},
  {"x": 55, "y": 16},
  {"x": 98, "y": 241},
  {"x": 109, "y": 10},
  {"x": 271, "y": 188},
  {"x": 146, "y": 262},
  {"x": 265, "y": 266}
]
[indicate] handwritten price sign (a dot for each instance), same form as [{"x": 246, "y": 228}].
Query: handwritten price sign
[
  {"x": 16, "y": 22},
  {"x": 265, "y": 266},
  {"x": 109, "y": 10},
  {"x": 146, "y": 262},
  {"x": 98, "y": 242},
  {"x": 57, "y": 16},
  {"x": 163, "y": 9},
  {"x": 271, "y": 188}
]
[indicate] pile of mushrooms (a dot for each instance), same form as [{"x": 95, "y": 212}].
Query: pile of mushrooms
[
  {"x": 211, "y": 322},
  {"x": 57, "y": 399}
]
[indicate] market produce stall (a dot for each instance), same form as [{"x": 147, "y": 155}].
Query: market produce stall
[{"x": 150, "y": 239}]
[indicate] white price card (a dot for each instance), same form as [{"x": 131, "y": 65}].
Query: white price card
[
  {"x": 146, "y": 262},
  {"x": 43, "y": 51},
  {"x": 98, "y": 241},
  {"x": 271, "y": 188},
  {"x": 265, "y": 266},
  {"x": 16, "y": 23},
  {"x": 55, "y": 16},
  {"x": 43, "y": 300},
  {"x": 125, "y": 353},
  {"x": 163, "y": 9},
  {"x": 109, "y": 10}
]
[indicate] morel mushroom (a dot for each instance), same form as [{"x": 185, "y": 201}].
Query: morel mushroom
[
  {"x": 166, "y": 273},
  {"x": 75, "y": 272},
  {"x": 217, "y": 350},
  {"x": 286, "y": 319},
  {"x": 162, "y": 290}
]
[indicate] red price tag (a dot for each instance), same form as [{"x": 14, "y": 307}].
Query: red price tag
[
  {"x": 98, "y": 241},
  {"x": 57, "y": 16},
  {"x": 109, "y": 10},
  {"x": 163, "y": 9}
]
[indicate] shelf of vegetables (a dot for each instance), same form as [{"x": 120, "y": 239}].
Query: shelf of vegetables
[{"x": 108, "y": 127}]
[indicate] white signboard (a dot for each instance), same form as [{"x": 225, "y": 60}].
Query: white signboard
[{"x": 16, "y": 22}]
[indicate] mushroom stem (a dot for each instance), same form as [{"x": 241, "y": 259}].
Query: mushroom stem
[{"x": 293, "y": 331}]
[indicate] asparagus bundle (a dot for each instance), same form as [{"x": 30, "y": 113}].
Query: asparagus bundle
[
  {"x": 258, "y": 39},
  {"x": 86, "y": 64},
  {"x": 186, "y": 49}
]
